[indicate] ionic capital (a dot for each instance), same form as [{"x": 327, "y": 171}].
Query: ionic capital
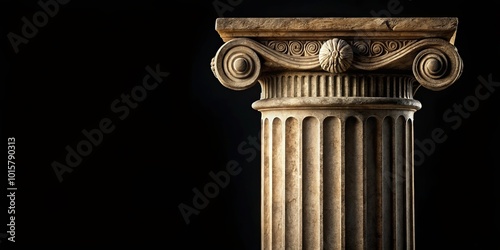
[{"x": 420, "y": 47}]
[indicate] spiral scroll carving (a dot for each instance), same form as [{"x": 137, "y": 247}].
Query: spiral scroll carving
[
  {"x": 280, "y": 46},
  {"x": 312, "y": 47},
  {"x": 436, "y": 69},
  {"x": 236, "y": 67},
  {"x": 335, "y": 56}
]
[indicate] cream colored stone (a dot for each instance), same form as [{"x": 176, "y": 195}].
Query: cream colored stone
[{"x": 337, "y": 121}]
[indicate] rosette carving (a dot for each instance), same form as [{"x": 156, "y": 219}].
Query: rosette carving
[{"x": 335, "y": 56}]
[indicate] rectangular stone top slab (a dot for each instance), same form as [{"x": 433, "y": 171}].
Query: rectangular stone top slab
[{"x": 340, "y": 27}]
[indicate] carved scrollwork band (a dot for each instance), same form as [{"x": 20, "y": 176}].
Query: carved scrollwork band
[
  {"x": 370, "y": 48},
  {"x": 435, "y": 63},
  {"x": 295, "y": 48},
  {"x": 361, "y": 47}
]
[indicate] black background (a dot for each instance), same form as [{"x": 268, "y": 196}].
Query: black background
[{"x": 127, "y": 191}]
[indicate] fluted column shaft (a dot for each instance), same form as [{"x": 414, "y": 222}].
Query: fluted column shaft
[
  {"x": 334, "y": 181},
  {"x": 337, "y": 173}
]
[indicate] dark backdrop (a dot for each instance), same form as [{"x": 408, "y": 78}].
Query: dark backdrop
[{"x": 77, "y": 67}]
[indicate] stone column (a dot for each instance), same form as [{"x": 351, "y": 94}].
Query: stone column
[{"x": 337, "y": 121}]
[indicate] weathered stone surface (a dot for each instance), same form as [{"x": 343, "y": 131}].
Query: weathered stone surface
[
  {"x": 337, "y": 121},
  {"x": 340, "y": 27}
]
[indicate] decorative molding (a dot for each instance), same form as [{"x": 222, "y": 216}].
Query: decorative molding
[{"x": 322, "y": 84}]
